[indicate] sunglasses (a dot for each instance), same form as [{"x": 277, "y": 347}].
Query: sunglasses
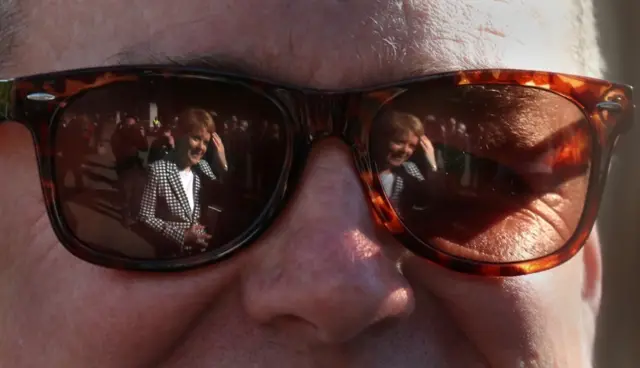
[{"x": 485, "y": 172}]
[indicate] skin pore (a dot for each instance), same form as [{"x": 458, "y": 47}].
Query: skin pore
[{"x": 323, "y": 288}]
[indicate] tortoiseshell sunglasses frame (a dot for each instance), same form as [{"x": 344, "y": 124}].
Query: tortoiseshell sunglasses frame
[{"x": 37, "y": 102}]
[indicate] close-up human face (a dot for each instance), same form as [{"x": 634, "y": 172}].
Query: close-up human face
[
  {"x": 401, "y": 147},
  {"x": 325, "y": 285},
  {"x": 192, "y": 146}
]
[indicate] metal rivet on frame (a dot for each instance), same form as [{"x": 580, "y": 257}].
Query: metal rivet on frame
[{"x": 41, "y": 96}]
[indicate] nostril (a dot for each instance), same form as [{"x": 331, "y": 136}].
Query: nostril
[{"x": 382, "y": 327}]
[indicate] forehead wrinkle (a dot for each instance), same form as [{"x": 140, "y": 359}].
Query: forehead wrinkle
[
  {"x": 496, "y": 34},
  {"x": 587, "y": 51}
]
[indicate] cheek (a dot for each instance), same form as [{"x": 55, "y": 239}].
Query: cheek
[
  {"x": 22, "y": 214},
  {"x": 138, "y": 315},
  {"x": 193, "y": 144},
  {"x": 394, "y": 147},
  {"x": 537, "y": 317}
]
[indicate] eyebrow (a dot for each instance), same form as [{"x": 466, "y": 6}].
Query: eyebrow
[
  {"x": 142, "y": 53},
  {"x": 10, "y": 21},
  {"x": 223, "y": 63}
]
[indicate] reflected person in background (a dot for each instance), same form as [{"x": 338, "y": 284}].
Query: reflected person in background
[
  {"x": 395, "y": 137},
  {"x": 72, "y": 155},
  {"x": 171, "y": 201},
  {"x": 127, "y": 142},
  {"x": 162, "y": 145}
]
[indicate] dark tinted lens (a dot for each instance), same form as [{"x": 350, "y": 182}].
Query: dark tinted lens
[
  {"x": 167, "y": 167},
  {"x": 488, "y": 173}
]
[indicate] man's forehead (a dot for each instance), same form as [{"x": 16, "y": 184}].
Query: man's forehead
[{"x": 321, "y": 44}]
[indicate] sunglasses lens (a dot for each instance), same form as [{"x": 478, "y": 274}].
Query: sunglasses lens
[
  {"x": 167, "y": 167},
  {"x": 491, "y": 173}
]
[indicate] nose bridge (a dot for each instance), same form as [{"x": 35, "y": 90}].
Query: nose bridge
[
  {"x": 324, "y": 263},
  {"x": 344, "y": 116}
]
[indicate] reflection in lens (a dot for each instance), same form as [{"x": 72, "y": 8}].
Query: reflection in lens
[
  {"x": 488, "y": 173},
  {"x": 167, "y": 168}
]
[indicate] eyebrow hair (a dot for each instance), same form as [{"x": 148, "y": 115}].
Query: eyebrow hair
[
  {"x": 9, "y": 24},
  {"x": 240, "y": 66},
  {"x": 139, "y": 54}
]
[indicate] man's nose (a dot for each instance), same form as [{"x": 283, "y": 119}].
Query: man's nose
[{"x": 323, "y": 271}]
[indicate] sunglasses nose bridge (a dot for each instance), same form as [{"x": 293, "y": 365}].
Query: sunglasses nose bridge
[
  {"x": 326, "y": 115},
  {"x": 337, "y": 116}
]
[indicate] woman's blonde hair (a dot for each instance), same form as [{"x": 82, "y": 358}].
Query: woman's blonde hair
[
  {"x": 391, "y": 122},
  {"x": 194, "y": 118}
]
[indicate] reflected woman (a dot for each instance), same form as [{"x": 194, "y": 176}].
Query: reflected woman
[
  {"x": 172, "y": 198},
  {"x": 395, "y": 138}
]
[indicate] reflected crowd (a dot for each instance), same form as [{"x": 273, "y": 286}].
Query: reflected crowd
[
  {"x": 174, "y": 178},
  {"x": 156, "y": 173},
  {"x": 177, "y": 178}
]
